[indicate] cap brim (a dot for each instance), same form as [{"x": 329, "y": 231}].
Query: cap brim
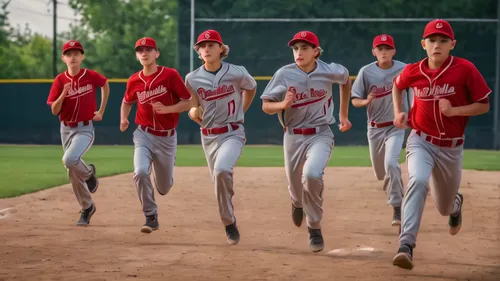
[
  {"x": 146, "y": 46},
  {"x": 75, "y": 48},
  {"x": 293, "y": 41},
  {"x": 437, "y": 33},
  {"x": 208, "y": 40},
  {"x": 381, "y": 44}
]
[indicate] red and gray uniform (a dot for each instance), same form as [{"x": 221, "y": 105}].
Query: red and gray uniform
[
  {"x": 77, "y": 129},
  {"x": 155, "y": 140},
  {"x": 435, "y": 145}
]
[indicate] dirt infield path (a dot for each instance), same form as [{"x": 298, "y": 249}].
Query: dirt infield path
[{"x": 39, "y": 239}]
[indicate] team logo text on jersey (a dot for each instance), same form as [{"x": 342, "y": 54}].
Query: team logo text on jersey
[
  {"x": 146, "y": 96},
  {"x": 427, "y": 93},
  {"x": 81, "y": 91},
  {"x": 381, "y": 91},
  {"x": 307, "y": 97},
  {"x": 215, "y": 94}
]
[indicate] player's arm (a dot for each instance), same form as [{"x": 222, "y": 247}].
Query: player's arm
[
  {"x": 474, "y": 109},
  {"x": 56, "y": 106},
  {"x": 272, "y": 107},
  {"x": 249, "y": 86},
  {"x": 57, "y": 95},
  {"x": 345, "y": 95},
  {"x": 128, "y": 100},
  {"x": 104, "y": 98},
  {"x": 358, "y": 91},
  {"x": 479, "y": 92},
  {"x": 195, "y": 103},
  {"x": 396, "y": 99},
  {"x": 275, "y": 97},
  {"x": 248, "y": 96},
  {"x": 179, "y": 89}
]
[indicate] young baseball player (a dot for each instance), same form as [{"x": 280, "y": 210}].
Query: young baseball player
[
  {"x": 372, "y": 88},
  {"x": 161, "y": 96},
  {"x": 448, "y": 90},
  {"x": 73, "y": 98},
  {"x": 222, "y": 93},
  {"x": 301, "y": 94}
]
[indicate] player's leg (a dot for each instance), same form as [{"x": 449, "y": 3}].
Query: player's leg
[
  {"x": 76, "y": 142},
  {"x": 393, "y": 145},
  {"x": 420, "y": 159},
  {"x": 227, "y": 155},
  {"x": 164, "y": 162},
  {"x": 143, "y": 157},
  {"x": 294, "y": 156},
  {"x": 318, "y": 153},
  {"x": 376, "y": 138},
  {"x": 445, "y": 184}
]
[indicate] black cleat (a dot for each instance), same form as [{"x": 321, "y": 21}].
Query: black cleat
[
  {"x": 297, "y": 215},
  {"x": 404, "y": 257},
  {"x": 396, "y": 217},
  {"x": 316, "y": 242},
  {"x": 92, "y": 182},
  {"x": 232, "y": 233},
  {"x": 455, "y": 222},
  {"x": 151, "y": 224},
  {"x": 85, "y": 216}
]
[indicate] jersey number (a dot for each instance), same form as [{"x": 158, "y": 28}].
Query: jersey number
[{"x": 231, "y": 108}]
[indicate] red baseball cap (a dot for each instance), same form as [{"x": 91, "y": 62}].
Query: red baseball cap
[
  {"x": 146, "y": 42},
  {"x": 439, "y": 26},
  {"x": 209, "y": 36},
  {"x": 383, "y": 39},
  {"x": 72, "y": 44},
  {"x": 306, "y": 36}
]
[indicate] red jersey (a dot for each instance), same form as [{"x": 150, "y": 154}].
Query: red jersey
[
  {"x": 457, "y": 80},
  {"x": 165, "y": 86},
  {"x": 80, "y": 101}
]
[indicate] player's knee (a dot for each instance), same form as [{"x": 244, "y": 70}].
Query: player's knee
[
  {"x": 220, "y": 172},
  {"x": 70, "y": 161},
  {"x": 392, "y": 166},
  {"x": 141, "y": 172},
  {"x": 310, "y": 175},
  {"x": 418, "y": 180}
]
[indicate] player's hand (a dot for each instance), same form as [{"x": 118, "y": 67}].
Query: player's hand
[
  {"x": 345, "y": 125},
  {"x": 400, "y": 120},
  {"x": 124, "y": 124},
  {"x": 97, "y": 116},
  {"x": 194, "y": 114},
  {"x": 369, "y": 98},
  {"x": 66, "y": 88},
  {"x": 160, "y": 108},
  {"x": 288, "y": 101},
  {"x": 446, "y": 108}
]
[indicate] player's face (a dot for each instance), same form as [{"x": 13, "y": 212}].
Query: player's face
[
  {"x": 210, "y": 52},
  {"x": 304, "y": 54},
  {"x": 73, "y": 58},
  {"x": 146, "y": 55},
  {"x": 384, "y": 53},
  {"x": 438, "y": 47}
]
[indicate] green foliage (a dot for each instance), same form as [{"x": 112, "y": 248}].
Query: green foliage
[{"x": 110, "y": 29}]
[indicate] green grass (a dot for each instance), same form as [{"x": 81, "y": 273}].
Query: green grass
[{"x": 26, "y": 169}]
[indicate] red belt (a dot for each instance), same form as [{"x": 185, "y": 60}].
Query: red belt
[
  {"x": 381, "y": 125},
  {"x": 162, "y": 133},
  {"x": 219, "y": 130},
  {"x": 441, "y": 142},
  {"x": 75, "y": 124},
  {"x": 303, "y": 131}
]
